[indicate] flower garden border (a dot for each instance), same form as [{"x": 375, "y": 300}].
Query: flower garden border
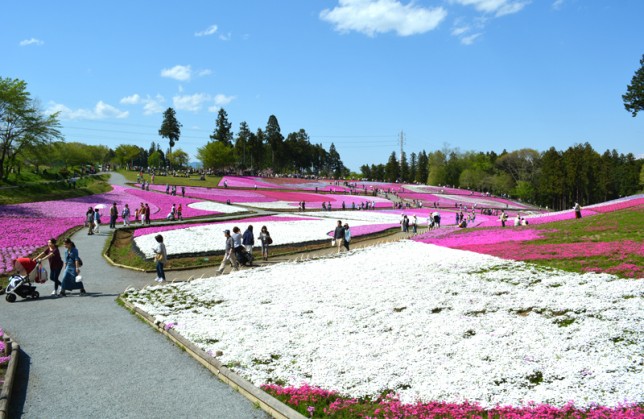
[
  {"x": 258, "y": 397},
  {"x": 12, "y": 349}
]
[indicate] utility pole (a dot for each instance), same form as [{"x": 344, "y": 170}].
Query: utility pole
[{"x": 402, "y": 141}]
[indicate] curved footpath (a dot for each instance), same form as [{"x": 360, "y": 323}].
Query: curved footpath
[{"x": 86, "y": 356}]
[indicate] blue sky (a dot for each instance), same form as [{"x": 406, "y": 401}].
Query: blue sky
[{"x": 470, "y": 74}]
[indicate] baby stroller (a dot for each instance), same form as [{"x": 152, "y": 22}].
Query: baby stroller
[
  {"x": 243, "y": 257},
  {"x": 20, "y": 283}
]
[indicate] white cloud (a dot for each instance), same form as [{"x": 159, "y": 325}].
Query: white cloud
[
  {"x": 208, "y": 31},
  {"x": 151, "y": 105},
  {"x": 469, "y": 39},
  {"x": 32, "y": 41},
  {"x": 204, "y": 72},
  {"x": 178, "y": 72},
  {"x": 557, "y": 4},
  {"x": 226, "y": 37},
  {"x": 496, "y": 7},
  {"x": 223, "y": 99},
  {"x": 101, "y": 111},
  {"x": 192, "y": 103},
  {"x": 135, "y": 99},
  {"x": 371, "y": 17}
]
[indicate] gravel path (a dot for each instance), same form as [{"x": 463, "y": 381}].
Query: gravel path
[{"x": 86, "y": 356}]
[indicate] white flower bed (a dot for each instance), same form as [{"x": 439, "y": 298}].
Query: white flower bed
[
  {"x": 371, "y": 216},
  {"x": 210, "y": 238},
  {"x": 428, "y": 322},
  {"x": 272, "y": 205},
  {"x": 217, "y": 207}
]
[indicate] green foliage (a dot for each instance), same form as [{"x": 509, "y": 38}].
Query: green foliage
[
  {"x": 634, "y": 96},
  {"x": 223, "y": 132},
  {"x": 170, "y": 127},
  {"x": 178, "y": 159},
  {"x": 22, "y": 124},
  {"x": 155, "y": 159},
  {"x": 216, "y": 155}
]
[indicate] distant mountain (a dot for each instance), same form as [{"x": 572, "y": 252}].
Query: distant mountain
[{"x": 195, "y": 164}]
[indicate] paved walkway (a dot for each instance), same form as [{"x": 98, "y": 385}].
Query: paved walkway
[{"x": 87, "y": 357}]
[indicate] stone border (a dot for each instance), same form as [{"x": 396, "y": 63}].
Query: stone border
[
  {"x": 259, "y": 398},
  {"x": 5, "y": 392}
]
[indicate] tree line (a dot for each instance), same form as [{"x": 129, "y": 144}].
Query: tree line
[{"x": 553, "y": 178}]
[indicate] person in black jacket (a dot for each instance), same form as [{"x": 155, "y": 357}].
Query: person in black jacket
[{"x": 338, "y": 235}]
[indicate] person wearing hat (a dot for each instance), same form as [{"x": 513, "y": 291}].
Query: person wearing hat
[{"x": 229, "y": 254}]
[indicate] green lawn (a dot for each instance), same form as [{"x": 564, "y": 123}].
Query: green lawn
[
  {"x": 210, "y": 182},
  {"x": 40, "y": 189}
]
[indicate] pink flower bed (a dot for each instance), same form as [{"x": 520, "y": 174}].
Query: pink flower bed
[
  {"x": 316, "y": 402},
  {"x": 3, "y": 359},
  {"x": 322, "y": 185},
  {"x": 472, "y": 239},
  {"x": 519, "y": 251},
  {"x": 217, "y": 194},
  {"x": 27, "y": 227}
]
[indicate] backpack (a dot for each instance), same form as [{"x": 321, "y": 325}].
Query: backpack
[{"x": 269, "y": 240}]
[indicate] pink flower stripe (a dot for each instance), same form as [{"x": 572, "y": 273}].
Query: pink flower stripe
[
  {"x": 323, "y": 185},
  {"x": 389, "y": 406},
  {"x": 521, "y": 251},
  {"x": 215, "y": 194},
  {"x": 475, "y": 238},
  {"x": 27, "y": 227},
  {"x": 242, "y": 222}
]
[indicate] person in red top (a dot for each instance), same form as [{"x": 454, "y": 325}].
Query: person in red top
[{"x": 52, "y": 254}]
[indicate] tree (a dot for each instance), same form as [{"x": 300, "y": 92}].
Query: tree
[
  {"x": 413, "y": 167},
  {"x": 22, "y": 124},
  {"x": 392, "y": 168},
  {"x": 423, "y": 167},
  {"x": 126, "y": 153},
  {"x": 222, "y": 131},
  {"x": 155, "y": 159},
  {"x": 404, "y": 168},
  {"x": 335, "y": 163},
  {"x": 178, "y": 158},
  {"x": 634, "y": 96},
  {"x": 242, "y": 144},
  {"x": 437, "y": 162},
  {"x": 215, "y": 155},
  {"x": 170, "y": 127},
  {"x": 275, "y": 140}
]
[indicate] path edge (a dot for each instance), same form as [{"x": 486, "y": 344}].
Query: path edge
[
  {"x": 255, "y": 395},
  {"x": 5, "y": 392}
]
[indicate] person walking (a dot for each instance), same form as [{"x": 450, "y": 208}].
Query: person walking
[
  {"x": 577, "y": 208},
  {"x": 265, "y": 238},
  {"x": 180, "y": 212},
  {"x": 229, "y": 255},
  {"x": 72, "y": 279},
  {"x": 338, "y": 235},
  {"x": 504, "y": 218},
  {"x": 52, "y": 254},
  {"x": 347, "y": 236},
  {"x": 126, "y": 216},
  {"x": 89, "y": 221},
  {"x": 160, "y": 257},
  {"x": 114, "y": 213},
  {"x": 248, "y": 240},
  {"x": 97, "y": 221},
  {"x": 147, "y": 213}
]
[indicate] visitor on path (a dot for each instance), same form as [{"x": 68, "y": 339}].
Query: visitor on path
[
  {"x": 89, "y": 221},
  {"x": 347, "y": 236},
  {"x": 248, "y": 240},
  {"x": 97, "y": 221},
  {"x": 437, "y": 219},
  {"x": 72, "y": 279},
  {"x": 414, "y": 224},
  {"x": 180, "y": 212},
  {"x": 338, "y": 235},
  {"x": 147, "y": 214},
  {"x": 126, "y": 215},
  {"x": 114, "y": 214},
  {"x": 183, "y": 191},
  {"x": 503, "y": 218},
  {"x": 52, "y": 254},
  {"x": 577, "y": 210},
  {"x": 265, "y": 238},
  {"x": 228, "y": 254},
  {"x": 161, "y": 257},
  {"x": 171, "y": 214}
]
